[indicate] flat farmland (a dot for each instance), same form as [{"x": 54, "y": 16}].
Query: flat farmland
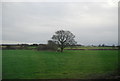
[{"x": 71, "y": 64}]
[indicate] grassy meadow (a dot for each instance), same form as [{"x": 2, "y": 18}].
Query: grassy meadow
[{"x": 71, "y": 64}]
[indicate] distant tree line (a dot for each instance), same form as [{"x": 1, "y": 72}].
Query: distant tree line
[{"x": 51, "y": 45}]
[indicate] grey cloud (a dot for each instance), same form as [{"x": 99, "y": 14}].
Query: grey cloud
[{"x": 91, "y": 22}]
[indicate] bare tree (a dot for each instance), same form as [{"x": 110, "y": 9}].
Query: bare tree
[{"x": 63, "y": 39}]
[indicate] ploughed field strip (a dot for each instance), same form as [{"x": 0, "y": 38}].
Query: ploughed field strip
[
  {"x": 91, "y": 49},
  {"x": 71, "y": 64}
]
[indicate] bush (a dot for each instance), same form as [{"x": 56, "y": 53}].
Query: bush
[
  {"x": 50, "y": 46},
  {"x": 46, "y": 47}
]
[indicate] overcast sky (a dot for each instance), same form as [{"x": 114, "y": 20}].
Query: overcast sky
[{"x": 35, "y": 22}]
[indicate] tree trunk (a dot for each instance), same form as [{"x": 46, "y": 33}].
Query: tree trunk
[{"x": 62, "y": 49}]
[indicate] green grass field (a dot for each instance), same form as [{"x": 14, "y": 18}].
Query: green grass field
[{"x": 71, "y": 64}]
